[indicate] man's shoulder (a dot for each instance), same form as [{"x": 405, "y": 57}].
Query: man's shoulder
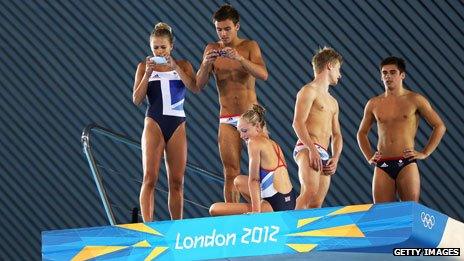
[
  {"x": 373, "y": 102},
  {"x": 416, "y": 98},
  {"x": 377, "y": 98},
  {"x": 308, "y": 88},
  {"x": 307, "y": 92},
  {"x": 414, "y": 95},
  {"x": 248, "y": 43}
]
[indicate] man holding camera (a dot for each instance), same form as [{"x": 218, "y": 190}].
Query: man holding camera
[{"x": 235, "y": 63}]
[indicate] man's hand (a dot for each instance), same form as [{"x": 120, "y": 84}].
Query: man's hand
[
  {"x": 413, "y": 154},
  {"x": 231, "y": 53},
  {"x": 331, "y": 166},
  {"x": 210, "y": 57},
  {"x": 376, "y": 157},
  {"x": 314, "y": 158}
]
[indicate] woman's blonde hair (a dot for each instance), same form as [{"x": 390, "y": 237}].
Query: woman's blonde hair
[
  {"x": 163, "y": 30},
  {"x": 255, "y": 116}
]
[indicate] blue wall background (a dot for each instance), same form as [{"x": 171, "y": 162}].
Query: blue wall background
[{"x": 65, "y": 64}]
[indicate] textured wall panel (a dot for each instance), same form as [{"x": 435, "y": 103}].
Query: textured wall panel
[{"x": 65, "y": 64}]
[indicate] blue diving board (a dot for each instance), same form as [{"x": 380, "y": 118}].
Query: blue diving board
[{"x": 369, "y": 228}]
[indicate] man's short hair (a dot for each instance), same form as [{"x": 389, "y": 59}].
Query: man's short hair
[
  {"x": 399, "y": 62},
  {"x": 324, "y": 56},
  {"x": 226, "y": 12}
]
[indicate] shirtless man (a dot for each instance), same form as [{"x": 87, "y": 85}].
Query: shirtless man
[
  {"x": 316, "y": 122},
  {"x": 397, "y": 112},
  {"x": 235, "y": 63}
]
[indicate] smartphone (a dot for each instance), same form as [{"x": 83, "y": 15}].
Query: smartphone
[{"x": 159, "y": 59}]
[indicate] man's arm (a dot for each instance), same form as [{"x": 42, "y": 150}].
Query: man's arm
[
  {"x": 433, "y": 119},
  {"x": 253, "y": 175},
  {"x": 303, "y": 104},
  {"x": 363, "y": 131},
  {"x": 337, "y": 144},
  {"x": 206, "y": 67},
  {"x": 255, "y": 65}
]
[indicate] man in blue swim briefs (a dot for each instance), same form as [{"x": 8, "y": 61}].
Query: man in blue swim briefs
[
  {"x": 397, "y": 112},
  {"x": 236, "y": 64},
  {"x": 315, "y": 123}
]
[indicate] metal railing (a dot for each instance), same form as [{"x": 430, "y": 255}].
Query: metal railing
[{"x": 86, "y": 139}]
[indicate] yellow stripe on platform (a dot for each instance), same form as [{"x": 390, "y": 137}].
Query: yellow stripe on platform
[
  {"x": 141, "y": 228},
  {"x": 301, "y": 248},
  {"x": 340, "y": 231},
  {"x": 351, "y": 209},
  {"x": 305, "y": 221},
  {"x": 89, "y": 252},
  {"x": 156, "y": 252},
  {"x": 143, "y": 243}
]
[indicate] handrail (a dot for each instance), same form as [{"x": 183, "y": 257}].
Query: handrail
[{"x": 87, "y": 148}]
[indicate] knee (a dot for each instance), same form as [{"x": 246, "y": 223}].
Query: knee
[
  {"x": 415, "y": 196},
  {"x": 315, "y": 203},
  {"x": 238, "y": 181},
  {"x": 231, "y": 170},
  {"x": 241, "y": 184},
  {"x": 213, "y": 210},
  {"x": 308, "y": 194},
  {"x": 149, "y": 179},
  {"x": 231, "y": 177},
  {"x": 412, "y": 196},
  {"x": 176, "y": 184}
]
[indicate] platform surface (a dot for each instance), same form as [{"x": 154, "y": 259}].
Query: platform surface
[{"x": 358, "y": 231}]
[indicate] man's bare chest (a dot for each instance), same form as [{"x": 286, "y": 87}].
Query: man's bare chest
[
  {"x": 394, "y": 111},
  {"x": 323, "y": 106}
]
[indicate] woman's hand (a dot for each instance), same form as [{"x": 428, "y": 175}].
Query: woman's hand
[
  {"x": 149, "y": 66},
  {"x": 171, "y": 62}
]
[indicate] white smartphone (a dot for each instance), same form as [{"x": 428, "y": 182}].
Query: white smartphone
[{"x": 159, "y": 59}]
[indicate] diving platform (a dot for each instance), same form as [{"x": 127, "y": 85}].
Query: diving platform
[{"x": 363, "y": 229}]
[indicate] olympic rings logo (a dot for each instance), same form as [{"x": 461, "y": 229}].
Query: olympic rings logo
[{"x": 428, "y": 220}]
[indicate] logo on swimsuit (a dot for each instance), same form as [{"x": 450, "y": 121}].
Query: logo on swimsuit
[
  {"x": 287, "y": 199},
  {"x": 400, "y": 163},
  {"x": 322, "y": 153},
  {"x": 428, "y": 220},
  {"x": 384, "y": 165}
]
